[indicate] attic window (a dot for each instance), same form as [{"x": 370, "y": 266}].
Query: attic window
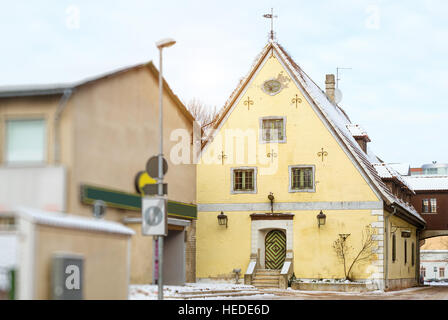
[{"x": 273, "y": 129}]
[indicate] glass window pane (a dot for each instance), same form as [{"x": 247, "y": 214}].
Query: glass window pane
[
  {"x": 433, "y": 205},
  {"x": 243, "y": 180},
  {"x": 302, "y": 178},
  {"x": 25, "y": 140},
  {"x": 272, "y": 129}
]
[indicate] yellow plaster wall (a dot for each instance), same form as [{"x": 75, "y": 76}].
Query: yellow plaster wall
[
  {"x": 337, "y": 179},
  {"x": 106, "y": 271},
  {"x": 398, "y": 269},
  {"x": 314, "y": 255},
  {"x": 306, "y": 135},
  {"x": 220, "y": 250}
]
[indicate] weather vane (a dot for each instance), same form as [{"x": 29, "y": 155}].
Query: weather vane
[{"x": 271, "y": 16}]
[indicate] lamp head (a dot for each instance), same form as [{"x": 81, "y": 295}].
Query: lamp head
[{"x": 165, "y": 43}]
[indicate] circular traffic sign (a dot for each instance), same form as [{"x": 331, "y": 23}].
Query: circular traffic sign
[
  {"x": 152, "y": 166},
  {"x": 153, "y": 216}
]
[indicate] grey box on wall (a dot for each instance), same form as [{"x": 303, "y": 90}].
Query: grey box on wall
[{"x": 67, "y": 275}]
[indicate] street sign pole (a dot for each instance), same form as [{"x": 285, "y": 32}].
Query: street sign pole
[{"x": 160, "y": 179}]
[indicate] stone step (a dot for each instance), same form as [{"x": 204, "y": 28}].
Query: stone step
[
  {"x": 255, "y": 281},
  {"x": 268, "y": 271},
  {"x": 266, "y": 277},
  {"x": 264, "y": 274}
]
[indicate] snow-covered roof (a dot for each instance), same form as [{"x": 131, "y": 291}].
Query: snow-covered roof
[
  {"x": 333, "y": 114},
  {"x": 71, "y": 221},
  {"x": 357, "y": 131},
  {"x": 428, "y": 182},
  {"x": 402, "y": 168},
  {"x": 385, "y": 171}
]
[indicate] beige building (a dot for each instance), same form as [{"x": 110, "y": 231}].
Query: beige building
[{"x": 62, "y": 147}]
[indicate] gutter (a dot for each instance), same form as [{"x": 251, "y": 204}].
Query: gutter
[
  {"x": 386, "y": 246},
  {"x": 61, "y": 107}
]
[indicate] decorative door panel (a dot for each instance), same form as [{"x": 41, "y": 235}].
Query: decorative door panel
[{"x": 275, "y": 252}]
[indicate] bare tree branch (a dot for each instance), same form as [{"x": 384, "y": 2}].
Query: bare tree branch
[
  {"x": 202, "y": 113},
  {"x": 342, "y": 250}
]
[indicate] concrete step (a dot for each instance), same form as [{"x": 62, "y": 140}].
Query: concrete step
[{"x": 255, "y": 283}]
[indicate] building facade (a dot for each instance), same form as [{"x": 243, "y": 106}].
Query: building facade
[
  {"x": 284, "y": 175},
  {"x": 62, "y": 147}
]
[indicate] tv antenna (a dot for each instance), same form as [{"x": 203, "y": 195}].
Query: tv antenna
[{"x": 271, "y": 16}]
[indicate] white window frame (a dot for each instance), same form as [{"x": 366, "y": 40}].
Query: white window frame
[
  {"x": 25, "y": 163},
  {"x": 261, "y": 139},
  {"x": 232, "y": 181},
  {"x": 290, "y": 168}
]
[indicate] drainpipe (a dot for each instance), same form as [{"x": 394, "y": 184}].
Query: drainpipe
[
  {"x": 61, "y": 107},
  {"x": 386, "y": 247}
]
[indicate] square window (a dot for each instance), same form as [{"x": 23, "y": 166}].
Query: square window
[
  {"x": 273, "y": 129},
  {"x": 244, "y": 180},
  {"x": 301, "y": 178},
  {"x": 25, "y": 140}
]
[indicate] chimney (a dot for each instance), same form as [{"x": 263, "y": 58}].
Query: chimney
[{"x": 330, "y": 86}]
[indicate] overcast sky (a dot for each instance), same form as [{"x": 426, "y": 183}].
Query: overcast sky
[{"x": 398, "y": 52}]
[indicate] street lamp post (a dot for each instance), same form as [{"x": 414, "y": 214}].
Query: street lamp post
[{"x": 164, "y": 43}]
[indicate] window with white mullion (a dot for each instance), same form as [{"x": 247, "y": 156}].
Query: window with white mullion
[
  {"x": 301, "y": 178},
  {"x": 243, "y": 180}
]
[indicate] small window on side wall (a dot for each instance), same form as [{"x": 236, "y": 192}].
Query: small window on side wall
[
  {"x": 25, "y": 141},
  {"x": 394, "y": 248},
  {"x": 244, "y": 180},
  {"x": 301, "y": 178}
]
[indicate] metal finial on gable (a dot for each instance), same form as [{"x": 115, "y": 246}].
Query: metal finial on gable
[{"x": 271, "y": 16}]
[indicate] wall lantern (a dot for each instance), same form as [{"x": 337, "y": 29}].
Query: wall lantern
[
  {"x": 222, "y": 219},
  {"x": 321, "y": 217}
]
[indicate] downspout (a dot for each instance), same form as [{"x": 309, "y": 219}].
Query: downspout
[
  {"x": 61, "y": 107},
  {"x": 386, "y": 246}
]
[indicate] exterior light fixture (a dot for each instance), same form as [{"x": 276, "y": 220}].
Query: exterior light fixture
[
  {"x": 165, "y": 43},
  {"x": 222, "y": 219},
  {"x": 321, "y": 217}
]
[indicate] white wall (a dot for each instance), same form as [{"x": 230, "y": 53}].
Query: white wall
[
  {"x": 37, "y": 187},
  {"x": 434, "y": 258},
  {"x": 8, "y": 255}
]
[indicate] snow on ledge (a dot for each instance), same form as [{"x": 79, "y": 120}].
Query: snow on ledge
[{"x": 59, "y": 219}]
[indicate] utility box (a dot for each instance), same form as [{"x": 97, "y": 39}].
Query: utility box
[{"x": 67, "y": 277}]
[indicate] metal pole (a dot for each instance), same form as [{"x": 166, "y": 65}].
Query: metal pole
[{"x": 160, "y": 182}]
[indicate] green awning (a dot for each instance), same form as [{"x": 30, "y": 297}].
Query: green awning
[{"x": 133, "y": 201}]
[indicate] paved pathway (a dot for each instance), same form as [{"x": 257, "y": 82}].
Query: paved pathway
[{"x": 420, "y": 293}]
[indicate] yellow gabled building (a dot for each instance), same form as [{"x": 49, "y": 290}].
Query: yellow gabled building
[{"x": 282, "y": 154}]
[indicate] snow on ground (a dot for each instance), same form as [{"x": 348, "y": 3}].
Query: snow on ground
[
  {"x": 433, "y": 283},
  {"x": 150, "y": 292}
]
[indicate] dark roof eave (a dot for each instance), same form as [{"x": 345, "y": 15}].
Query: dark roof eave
[{"x": 404, "y": 214}]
